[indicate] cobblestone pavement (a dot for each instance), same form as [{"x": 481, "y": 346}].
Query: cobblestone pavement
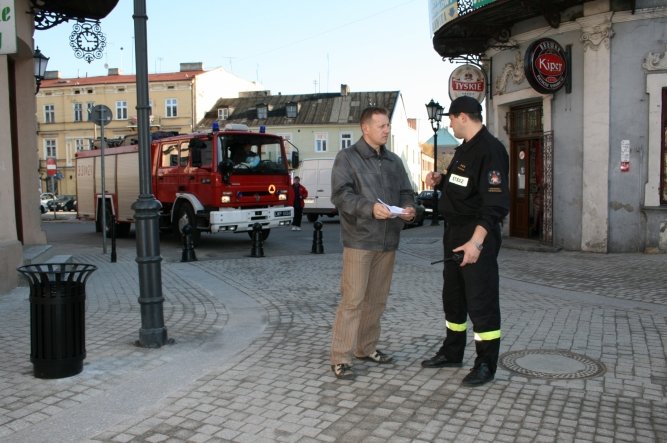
[{"x": 250, "y": 358}]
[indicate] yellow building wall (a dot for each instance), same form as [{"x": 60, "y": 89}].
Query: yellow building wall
[{"x": 66, "y": 131}]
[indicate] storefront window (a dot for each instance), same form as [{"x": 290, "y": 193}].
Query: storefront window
[{"x": 663, "y": 150}]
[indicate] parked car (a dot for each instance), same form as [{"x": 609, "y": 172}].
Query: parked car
[
  {"x": 62, "y": 203},
  {"x": 426, "y": 198},
  {"x": 44, "y": 199}
]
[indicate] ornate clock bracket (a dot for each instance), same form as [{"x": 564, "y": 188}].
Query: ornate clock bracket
[
  {"x": 88, "y": 41},
  {"x": 87, "y": 38}
]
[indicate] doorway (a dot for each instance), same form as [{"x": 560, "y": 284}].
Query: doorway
[{"x": 527, "y": 177}]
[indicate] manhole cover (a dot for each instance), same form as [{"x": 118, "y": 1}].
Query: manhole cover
[{"x": 554, "y": 364}]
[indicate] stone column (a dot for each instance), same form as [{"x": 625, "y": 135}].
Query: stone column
[{"x": 596, "y": 32}]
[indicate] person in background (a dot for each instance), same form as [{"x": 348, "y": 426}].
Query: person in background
[
  {"x": 244, "y": 155},
  {"x": 300, "y": 193},
  {"x": 474, "y": 201},
  {"x": 362, "y": 175}
]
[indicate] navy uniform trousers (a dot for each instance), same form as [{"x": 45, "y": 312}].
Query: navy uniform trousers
[{"x": 472, "y": 290}]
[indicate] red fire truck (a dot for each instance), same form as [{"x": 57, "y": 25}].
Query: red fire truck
[{"x": 223, "y": 180}]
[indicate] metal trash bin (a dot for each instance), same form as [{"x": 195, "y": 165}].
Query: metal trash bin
[{"x": 57, "y": 317}]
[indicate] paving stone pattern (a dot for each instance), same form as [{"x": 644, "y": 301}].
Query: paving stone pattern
[{"x": 250, "y": 359}]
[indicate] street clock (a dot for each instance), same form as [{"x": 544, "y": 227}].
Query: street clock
[{"x": 88, "y": 41}]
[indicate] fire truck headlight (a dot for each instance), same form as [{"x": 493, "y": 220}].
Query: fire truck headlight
[
  {"x": 282, "y": 197},
  {"x": 225, "y": 199}
]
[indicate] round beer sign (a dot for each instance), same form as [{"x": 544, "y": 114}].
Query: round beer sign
[
  {"x": 545, "y": 65},
  {"x": 467, "y": 80}
]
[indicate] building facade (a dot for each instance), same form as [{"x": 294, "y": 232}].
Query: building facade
[
  {"x": 322, "y": 124},
  {"x": 588, "y": 156},
  {"x": 177, "y": 99}
]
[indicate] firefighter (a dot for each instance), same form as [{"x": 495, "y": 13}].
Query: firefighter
[{"x": 474, "y": 201}]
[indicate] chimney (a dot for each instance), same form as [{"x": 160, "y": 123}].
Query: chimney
[
  {"x": 198, "y": 66},
  {"x": 114, "y": 71},
  {"x": 344, "y": 90},
  {"x": 412, "y": 123},
  {"x": 51, "y": 75}
]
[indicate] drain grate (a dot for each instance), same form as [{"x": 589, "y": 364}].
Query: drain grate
[{"x": 551, "y": 364}]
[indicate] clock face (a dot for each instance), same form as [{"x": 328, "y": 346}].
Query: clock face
[{"x": 87, "y": 41}]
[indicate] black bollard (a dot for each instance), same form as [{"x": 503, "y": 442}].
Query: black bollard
[
  {"x": 257, "y": 242},
  {"x": 318, "y": 247},
  {"x": 113, "y": 239},
  {"x": 188, "y": 245}
]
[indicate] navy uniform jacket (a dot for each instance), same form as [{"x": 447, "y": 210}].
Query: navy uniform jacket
[{"x": 476, "y": 186}]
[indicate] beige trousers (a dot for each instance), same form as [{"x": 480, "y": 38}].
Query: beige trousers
[{"x": 364, "y": 287}]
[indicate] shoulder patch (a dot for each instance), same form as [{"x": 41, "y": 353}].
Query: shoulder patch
[{"x": 494, "y": 178}]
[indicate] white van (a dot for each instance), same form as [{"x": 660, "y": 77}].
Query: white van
[{"x": 315, "y": 175}]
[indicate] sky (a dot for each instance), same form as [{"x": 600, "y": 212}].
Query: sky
[{"x": 289, "y": 46}]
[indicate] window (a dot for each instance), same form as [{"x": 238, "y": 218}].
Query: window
[
  {"x": 49, "y": 114},
  {"x": 656, "y": 185},
  {"x": 50, "y": 147},
  {"x": 171, "y": 105},
  {"x": 184, "y": 155},
  {"x": 169, "y": 156},
  {"x": 121, "y": 110},
  {"x": 79, "y": 144},
  {"x": 262, "y": 112},
  {"x": 345, "y": 140},
  {"x": 223, "y": 113},
  {"x": 78, "y": 112},
  {"x": 291, "y": 109},
  {"x": 663, "y": 146},
  {"x": 321, "y": 141},
  {"x": 89, "y": 108}
]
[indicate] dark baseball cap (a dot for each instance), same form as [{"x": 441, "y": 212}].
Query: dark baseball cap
[{"x": 465, "y": 104}]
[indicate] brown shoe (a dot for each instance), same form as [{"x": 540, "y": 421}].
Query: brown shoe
[
  {"x": 378, "y": 357},
  {"x": 342, "y": 370}
]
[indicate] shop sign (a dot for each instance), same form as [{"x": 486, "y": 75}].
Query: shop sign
[
  {"x": 545, "y": 65},
  {"x": 7, "y": 27},
  {"x": 467, "y": 80}
]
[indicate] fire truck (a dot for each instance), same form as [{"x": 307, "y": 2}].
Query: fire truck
[{"x": 219, "y": 181}]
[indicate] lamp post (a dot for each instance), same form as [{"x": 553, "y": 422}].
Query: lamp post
[
  {"x": 153, "y": 333},
  {"x": 434, "y": 111},
  {"x": 40, "y": 61}
]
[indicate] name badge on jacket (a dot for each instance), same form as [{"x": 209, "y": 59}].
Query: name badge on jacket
[{"x": 458, "y": 180}]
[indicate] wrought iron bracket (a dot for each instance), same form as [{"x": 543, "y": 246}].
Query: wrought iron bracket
[
  {"x": 50, "y": 13},
  {"x": 45, "y": 19}
]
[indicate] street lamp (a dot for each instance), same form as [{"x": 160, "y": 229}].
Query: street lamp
[
  {"x": 434, "y": 111},
  {"x": 40, "y": 61}
]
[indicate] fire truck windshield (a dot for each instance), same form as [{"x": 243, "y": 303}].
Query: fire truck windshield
[{"x": 249, "y": 155}]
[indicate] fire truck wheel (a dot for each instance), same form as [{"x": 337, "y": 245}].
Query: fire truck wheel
[
  {"x": 265, "y": 234},
  {"x": 187, "y": 214}
]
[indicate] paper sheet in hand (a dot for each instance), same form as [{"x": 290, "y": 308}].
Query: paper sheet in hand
[{"x": 395, "y": 210}]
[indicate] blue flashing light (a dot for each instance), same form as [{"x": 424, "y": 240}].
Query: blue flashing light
[
  {"x": 215, "y": 126},
  {"x": 262, "y": 129}
]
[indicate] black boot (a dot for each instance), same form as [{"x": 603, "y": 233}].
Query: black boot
[
  {"x": 485, "y": 364},
  {"x": 450, "y": 353}
]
